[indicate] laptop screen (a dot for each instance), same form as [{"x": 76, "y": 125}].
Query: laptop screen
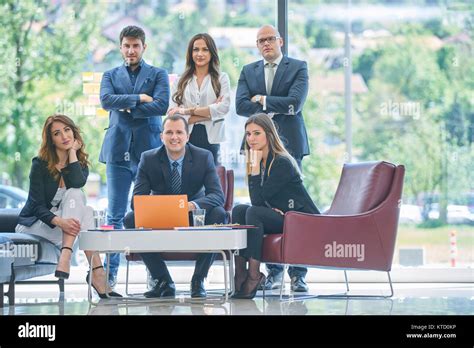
[{"x": 161, "y": 212}]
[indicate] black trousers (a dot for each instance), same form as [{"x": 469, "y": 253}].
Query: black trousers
[
  {"x": 293, "y": 271},
  {"x": 267, "y": 221},
  {"x": 199, "y": 138},
  {"x": 157, "y": 266}
]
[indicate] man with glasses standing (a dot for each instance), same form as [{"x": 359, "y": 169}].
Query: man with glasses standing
[{"x": 277, "y": 86}]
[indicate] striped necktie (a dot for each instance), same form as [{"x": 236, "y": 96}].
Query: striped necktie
[{"x": 175, "y": 179}]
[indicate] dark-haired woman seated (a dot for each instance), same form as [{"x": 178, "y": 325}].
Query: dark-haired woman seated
[
  {"x": 56, "y": 206},
  {"x": 275, "y": 187}
]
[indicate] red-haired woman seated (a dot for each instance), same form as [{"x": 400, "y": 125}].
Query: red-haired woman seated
[{"x": 56, "y": 207}]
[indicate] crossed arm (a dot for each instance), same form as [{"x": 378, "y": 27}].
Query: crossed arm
[
  {"x": 139, "y": 105},
  {"x": 291, "y": 104}
]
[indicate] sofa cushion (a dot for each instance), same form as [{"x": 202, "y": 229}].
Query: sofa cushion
[
  {"x": 32, "y": 249},
  {"x": 6, "y": 259},
  {"x": 4, "y": 240},
  {"x": 32, "y": 271}
]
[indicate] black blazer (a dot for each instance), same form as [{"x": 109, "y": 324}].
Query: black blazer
[
  {"x": 282, "y": 188},
  {"x": 199, "y": 178},
  {"x": 43, "y": 187}
]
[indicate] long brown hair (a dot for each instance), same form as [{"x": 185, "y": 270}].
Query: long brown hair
[
  {"x": 275, "y": 145},
  {"x": 47, "y": 150},
  {"x": 214, "y": 67}
]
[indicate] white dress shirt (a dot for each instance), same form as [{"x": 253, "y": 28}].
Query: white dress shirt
[{"x": 205, "y": 96}]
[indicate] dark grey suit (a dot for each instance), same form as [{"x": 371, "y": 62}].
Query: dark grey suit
[
  {"x": 199, "y": 181},
  {"x": 288, "y": 94}
]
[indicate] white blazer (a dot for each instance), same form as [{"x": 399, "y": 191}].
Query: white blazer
[{"x": 195, "y": 97}]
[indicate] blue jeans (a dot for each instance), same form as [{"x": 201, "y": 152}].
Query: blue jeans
[
  {"x": 120, "y": 176},
  {"x": 293, "y": 271}
]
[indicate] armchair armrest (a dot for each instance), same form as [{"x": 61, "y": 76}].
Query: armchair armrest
[{"x": 351, "y": 241}]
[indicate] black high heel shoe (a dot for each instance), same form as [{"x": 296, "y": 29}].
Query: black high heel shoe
[
  {"x": 251, "y": 294},
  {"x": 238, "y": 284},
  {"x": 101, "y": 294},
  {"x": 62, "y": 274}
]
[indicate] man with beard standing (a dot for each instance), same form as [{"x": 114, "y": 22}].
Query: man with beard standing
[{"x": 136, "y": 95}]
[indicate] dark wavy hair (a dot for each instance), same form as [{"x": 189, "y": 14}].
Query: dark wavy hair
[
  {"x": 214, "y": 67},
  {"x": 47, "y": 150}
]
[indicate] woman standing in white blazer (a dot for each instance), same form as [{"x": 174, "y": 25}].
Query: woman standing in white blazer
[{"x": 202, "y": 95}]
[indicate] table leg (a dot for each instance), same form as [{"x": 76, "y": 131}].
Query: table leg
[
  {"x": 107, "y": 271},
  {"x": 89, "y": 283},
  {"x": 226, "y": 275},
  {"x": 232, "y": 271}
]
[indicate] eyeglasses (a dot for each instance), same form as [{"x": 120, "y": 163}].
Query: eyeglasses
[{"x": 270, "y": 39}]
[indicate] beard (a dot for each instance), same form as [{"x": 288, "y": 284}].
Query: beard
[{"x": 135, "y": 63}]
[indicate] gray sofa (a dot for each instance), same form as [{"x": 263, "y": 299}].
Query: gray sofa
[{"x": 23, "y": 256}]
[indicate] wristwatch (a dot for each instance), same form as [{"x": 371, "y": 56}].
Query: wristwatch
[{"x": 258, "y": 98}]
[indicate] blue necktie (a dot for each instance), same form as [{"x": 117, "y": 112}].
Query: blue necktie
[{"x": 175, "y": 179}]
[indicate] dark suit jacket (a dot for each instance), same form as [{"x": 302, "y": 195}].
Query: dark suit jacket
[
  {"x": 199, "y": 178},
  {"x": 289, "y": 91},
  {"x": 143, "y": 124},
  {"x": 43, "y": 187},
  {"x": 282, "y": 188}
]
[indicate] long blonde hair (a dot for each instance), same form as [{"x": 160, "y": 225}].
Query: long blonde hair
[
  {"x": 47, "y": 150},
  {"x": 275, "y": 145},
  {"x": 214, "y": 67}
]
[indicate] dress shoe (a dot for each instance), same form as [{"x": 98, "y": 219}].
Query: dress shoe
[
  {"x": 197, "y": 288},
  {"x": 162, "y": 288},
  {"x": 298, "y": 284},
  {"x": 238, "y": 281},
  {"x": 62, "y": 274},
  {"x": 249, "y": 293},
  {"x": 273, "y": 281},
  {"x": 101, "y": 295}
]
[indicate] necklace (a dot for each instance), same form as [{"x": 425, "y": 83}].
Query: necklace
[{"x": 262, "y": 173}]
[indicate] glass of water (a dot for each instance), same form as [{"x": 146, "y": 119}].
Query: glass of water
[
  {"x": 99, "y": 218},
  {"x": 199, "y": 217}
]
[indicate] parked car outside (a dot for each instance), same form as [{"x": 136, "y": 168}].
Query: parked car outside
[
  {"x": 410, "y": 213},
  {"x": 457, "y": 214},
  {"x": 12, "y": 197}
]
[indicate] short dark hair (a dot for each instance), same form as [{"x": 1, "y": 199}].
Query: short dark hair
[
  {"x": 132, "y": 31},
  {"x": 177, "y": 118}
]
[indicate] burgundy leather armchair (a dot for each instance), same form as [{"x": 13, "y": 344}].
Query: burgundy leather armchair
[
  {"x": 226, "y": 177},
  {"x": 357, "y": 232}
]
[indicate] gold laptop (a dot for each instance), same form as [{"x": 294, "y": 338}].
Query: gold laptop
[{"x": 161, "y": 212}]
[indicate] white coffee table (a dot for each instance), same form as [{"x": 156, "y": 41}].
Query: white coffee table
[{"x": 199, "y": 241}]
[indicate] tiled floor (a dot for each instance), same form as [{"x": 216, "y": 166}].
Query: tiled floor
[{"x": 409, "y": 299}]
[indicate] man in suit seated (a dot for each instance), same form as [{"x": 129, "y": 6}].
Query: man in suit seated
[{"x": 179, "y": 168}]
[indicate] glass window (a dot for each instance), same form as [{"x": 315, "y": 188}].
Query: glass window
[{"x": 412, "y": 104}]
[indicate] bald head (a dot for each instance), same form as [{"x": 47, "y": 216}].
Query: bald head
[
  {"x": 268, "y": 28},
  {"x": 269, "y": 43}
]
